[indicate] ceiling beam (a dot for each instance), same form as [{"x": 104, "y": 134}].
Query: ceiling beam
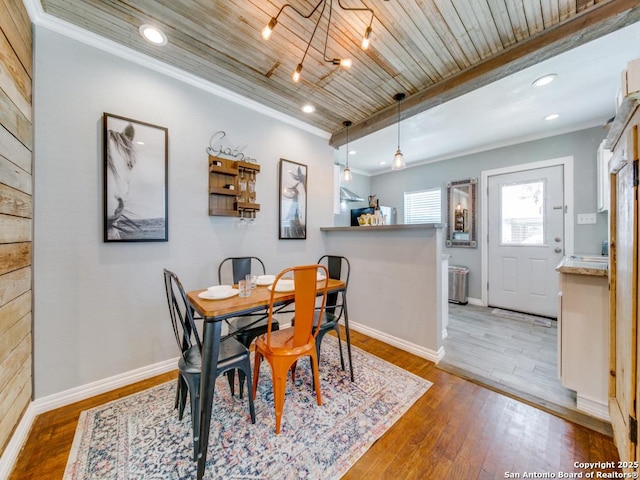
[{"x": 602, "y": 19}]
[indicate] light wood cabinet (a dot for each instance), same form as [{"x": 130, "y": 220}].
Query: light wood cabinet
[
  {"x": 232, "y": 187},
  {"x": 583, "y": 338}
]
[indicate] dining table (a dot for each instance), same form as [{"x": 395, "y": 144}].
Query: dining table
[{"x": 214, "y": 312}]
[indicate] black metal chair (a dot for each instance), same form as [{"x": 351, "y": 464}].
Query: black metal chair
[
  {"x": 233, "y": 355},
  {"x": 339, "y": 269},
  {"x": 245, "y": 328}
]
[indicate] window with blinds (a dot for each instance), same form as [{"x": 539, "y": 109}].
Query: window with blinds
[{"x": 423, "y": 206}]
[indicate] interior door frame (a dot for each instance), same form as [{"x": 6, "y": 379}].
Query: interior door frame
[{"x": 567, "y": 164}]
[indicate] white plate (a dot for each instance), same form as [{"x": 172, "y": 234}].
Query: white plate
[
  {"x": 284, "y": 285},
  {"x": 219, "y": 289},
  {"x": 211, "y": 295},
  {"x": 265, "y": 279}
]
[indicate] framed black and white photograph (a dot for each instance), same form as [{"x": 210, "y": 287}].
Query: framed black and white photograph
[
  {"x": 293, "y": 200},
  {"x": 135, "y": 167}
]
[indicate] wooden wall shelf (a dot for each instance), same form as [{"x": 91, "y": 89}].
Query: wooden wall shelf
[
  {"x": 248, "y": 206},
  {"x": 223, "y": 191},
  {"x": 224, "y": 170},
  {"x": 224, "y": 174}
]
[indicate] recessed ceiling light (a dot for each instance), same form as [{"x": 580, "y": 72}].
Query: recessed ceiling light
[
  {"x": 383, "y": 162},
  {"x": 545, "y": 80},
  {"x": 308, "y": 108},
  {"x": 352, "y": 152},
  {"x": 553, "y": 116},
  {"x": 152, "y": 34}
]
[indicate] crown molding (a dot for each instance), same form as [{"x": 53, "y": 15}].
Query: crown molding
[{"x": 41, "y": 19}]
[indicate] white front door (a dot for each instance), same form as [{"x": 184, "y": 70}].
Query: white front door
[{"x": 525, "y": 239}]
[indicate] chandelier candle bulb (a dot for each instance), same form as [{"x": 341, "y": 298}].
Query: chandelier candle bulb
[
  {"x": 266, "y": 31},
  {"x": 365, "y": 39}
]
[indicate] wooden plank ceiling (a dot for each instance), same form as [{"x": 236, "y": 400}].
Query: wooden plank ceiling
[{"x": 432, "y": 50}]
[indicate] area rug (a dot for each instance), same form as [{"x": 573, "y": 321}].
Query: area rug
[
  {"x": 522, "y": 317},
  {"x": 140, "y": 436}
]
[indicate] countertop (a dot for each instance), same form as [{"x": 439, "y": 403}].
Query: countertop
[{"x": 594, "y": 265}]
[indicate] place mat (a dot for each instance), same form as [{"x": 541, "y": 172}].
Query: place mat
[{"x": 140, "y": 436}]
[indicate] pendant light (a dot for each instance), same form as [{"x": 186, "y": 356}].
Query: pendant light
[
  {"x": 347, "y": 177},
  {"x": 398, "y": 158}
]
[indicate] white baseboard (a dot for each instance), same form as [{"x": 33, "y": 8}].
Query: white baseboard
[
  {"x": 18, "y": 438},
  {"x": 398, "y": 342},
  {"x": 68, "y": 397},
  {"x": 83, "y": 392},
  {"x": 592, "y": 407}
]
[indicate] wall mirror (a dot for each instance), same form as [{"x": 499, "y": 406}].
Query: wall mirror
[{"x": 461, "y": 213}]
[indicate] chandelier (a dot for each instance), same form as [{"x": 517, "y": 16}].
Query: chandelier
[{"x": 343, "y": 62}]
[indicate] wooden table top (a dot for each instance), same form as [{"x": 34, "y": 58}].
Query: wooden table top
[{"x": 259, "y": 298}]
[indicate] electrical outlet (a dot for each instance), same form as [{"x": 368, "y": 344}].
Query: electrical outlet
[{"x": 586, "y": 218}]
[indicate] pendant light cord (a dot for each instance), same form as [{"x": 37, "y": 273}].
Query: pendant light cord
[
  {"x": 347, "y": 170},
  {"x": 398, "y": 97},
  {"x": 398, "y": 102},
  {"x": 347, "y": 124}
]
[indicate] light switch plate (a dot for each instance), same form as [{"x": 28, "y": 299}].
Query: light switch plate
[{"x": 586, "y": 218}]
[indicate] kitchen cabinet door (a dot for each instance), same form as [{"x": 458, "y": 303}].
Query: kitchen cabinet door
[{"x": 623, "y": 290}]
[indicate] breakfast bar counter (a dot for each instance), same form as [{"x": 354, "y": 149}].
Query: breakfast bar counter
[
  {"x": 377, "y": 228},
  {"x": 396, "y": 290}
]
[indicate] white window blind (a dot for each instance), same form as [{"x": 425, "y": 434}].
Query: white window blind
[{"x": 423, "y": 206}]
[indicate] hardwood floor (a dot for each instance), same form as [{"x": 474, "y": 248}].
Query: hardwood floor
[{"x": 456, "y": 430}]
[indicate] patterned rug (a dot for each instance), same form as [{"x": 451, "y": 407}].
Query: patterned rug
[{"x": 140, "y": 436}]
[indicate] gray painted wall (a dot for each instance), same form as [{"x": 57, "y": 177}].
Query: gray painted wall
[
  {"x": 582, "y": 145},
  {"x": 100, "y": 309}
]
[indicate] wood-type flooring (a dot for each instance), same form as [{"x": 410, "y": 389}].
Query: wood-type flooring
[
  {"x": 457, "y": 430},
  {"x": 514, "y": 357}
]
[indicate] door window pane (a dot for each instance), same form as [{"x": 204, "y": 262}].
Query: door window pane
[{"x": 522, "y": 213}]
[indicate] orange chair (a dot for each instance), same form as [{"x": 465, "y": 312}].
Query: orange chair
[{"x": 283, "y": 348}]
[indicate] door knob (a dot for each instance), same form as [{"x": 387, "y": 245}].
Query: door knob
[
  {"x": 557, "y": 250},
  {"x": 558, "y": 239}
]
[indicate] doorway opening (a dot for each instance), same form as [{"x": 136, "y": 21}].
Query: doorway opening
[
  {"x": 526, "y": 229},
  {"x": 525, "y": 237}
]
